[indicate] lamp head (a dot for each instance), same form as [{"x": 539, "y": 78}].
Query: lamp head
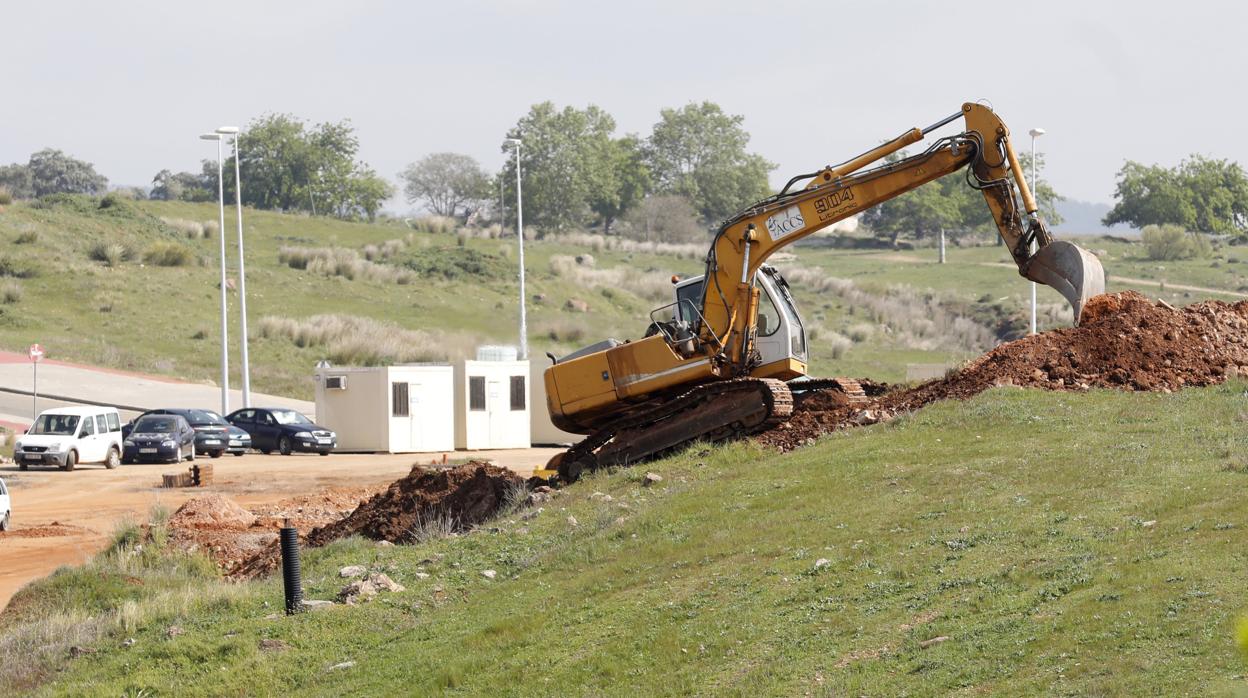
[
  {"x": 514, "y": 141},
  {"x": 210, "y": 136},
  {"x": 227, "y": 130},
  {"x": 1036, "y": 132}
]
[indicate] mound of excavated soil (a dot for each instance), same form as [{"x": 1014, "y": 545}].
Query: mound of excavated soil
[
  {"x": 211, "y": 511},
  {"x": 459, "y": 498},
  {"x": 1123, "y": 341},
  {"x": 465, "y": 496}
]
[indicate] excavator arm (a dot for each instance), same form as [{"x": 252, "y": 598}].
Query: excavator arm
[{"x": 745, "y": 242}]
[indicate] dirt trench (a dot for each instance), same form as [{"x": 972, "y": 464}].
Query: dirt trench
[{"x": 1123, "y": 341}]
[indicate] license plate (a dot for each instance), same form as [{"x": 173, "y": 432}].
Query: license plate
[
  {"x": 236, "y": 443},
  {"x": 147, "y": 450},
  {"x": 212, "y": 442},
  {"x": 324, "y": 441},
  {"x": 33, "y": 456}
]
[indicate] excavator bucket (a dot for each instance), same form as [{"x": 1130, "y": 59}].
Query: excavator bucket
[{"x": 1076, "y": 273}]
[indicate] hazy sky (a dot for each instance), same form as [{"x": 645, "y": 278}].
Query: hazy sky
[{"x": 130, "y": 85}]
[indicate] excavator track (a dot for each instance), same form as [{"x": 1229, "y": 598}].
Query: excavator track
[
  {"x": 851, "y": 388},
  {"x": 711, "y": 412}
]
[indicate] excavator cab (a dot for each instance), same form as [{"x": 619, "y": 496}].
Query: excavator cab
[{"x": 780, "y": 339}]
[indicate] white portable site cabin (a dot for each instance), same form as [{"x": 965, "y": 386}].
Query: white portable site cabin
[
  {"x": 388, "y": 409},
  {"x": 492, "y": 404}
]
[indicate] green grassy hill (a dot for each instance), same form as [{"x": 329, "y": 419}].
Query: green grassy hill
[
  {"x": 1020, "y": 543},
  {"x": 84, "y": 277}
]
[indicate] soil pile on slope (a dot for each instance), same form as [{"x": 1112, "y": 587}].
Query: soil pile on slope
[
  {"x": 1123, "y": 341},
  {"x": 462, "y": 497},
  {"x": 450, "y": 500},
  {"x": 211, "y": 511}
]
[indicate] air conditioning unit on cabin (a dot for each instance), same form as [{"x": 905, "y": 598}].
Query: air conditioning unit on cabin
[{"x": 335, "y": 382}]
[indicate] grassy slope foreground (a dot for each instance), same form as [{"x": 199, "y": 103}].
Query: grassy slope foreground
[{"x": 1061, "y": 543}]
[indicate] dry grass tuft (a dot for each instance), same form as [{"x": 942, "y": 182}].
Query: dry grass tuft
[
  {"x": 11, "y": 292},
  {"x": 360, "y": 341},
  {"x": 168, "y": 254},
  {"x": 655, "y": 287},
  {"x": 112, "y": 254},
  {"x": 347, "y": 263}
]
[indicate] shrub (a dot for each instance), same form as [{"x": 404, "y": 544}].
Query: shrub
[
  {"x": 1172, "y": 242},
  {"x": 110, "y": 253},
  {"x": 168, "y": 254},
  {"x": 27, "y": 237},
  {"x": 435, "y": 225},
  {"x": 193, "y": 230},
  {"x": 6, "y": 196},
  {"x": 17, "y": 270},
  {"x": 564, "y": 331},
  {"x": 11, "y": 292}
]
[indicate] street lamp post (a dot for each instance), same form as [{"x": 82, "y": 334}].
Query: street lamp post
[
  {"x": 225, "y": 354},
  {"x": 524, "y": 331},
  {"x": 242, "y": 272},
  {"x": 1035, "y": 133}
]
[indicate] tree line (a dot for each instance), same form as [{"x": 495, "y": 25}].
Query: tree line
[
  {"x": 693, "y": 170},
  {"x": 690, "y": 172}
]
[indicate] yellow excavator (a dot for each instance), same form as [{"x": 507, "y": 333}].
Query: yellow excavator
[{"x": 716, "y": 362}]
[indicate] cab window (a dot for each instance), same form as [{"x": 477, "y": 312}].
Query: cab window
[
  {"x": 88, "y": 427},
  {"x": 768, "y": 315},
  {"x": 689, "y": 301}
]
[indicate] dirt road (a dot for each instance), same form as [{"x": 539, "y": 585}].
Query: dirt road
[{"x": 64, "y": 518}]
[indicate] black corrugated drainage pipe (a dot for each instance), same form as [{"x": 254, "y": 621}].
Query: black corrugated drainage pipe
[{"x": 292, "y": 576}]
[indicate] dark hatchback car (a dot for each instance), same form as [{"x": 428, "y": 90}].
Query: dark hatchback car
[
  {"x": 213, "y": 435},
  {"x": 159, "y": 437},
  {"x": 283, "y": 430}
]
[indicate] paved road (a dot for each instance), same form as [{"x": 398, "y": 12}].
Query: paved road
[
  {"x": 91, "y": 501},
  {"x": 119, "y": 388}
]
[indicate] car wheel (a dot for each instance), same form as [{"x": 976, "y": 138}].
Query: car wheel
[
  {"x": 324, "y": 453},
  {"x": 127, "y": 461},
  {"x": 23, "y": 466},
  {"x": 4, "y": 523},
  {"x": 113, "y": 460},
  {"x": 71, "y": 459},
  {"x": 192, "y": 456},
  {"x": 238, "y": 454},
  {"x": 284, "y": 446},
  {"x": 217, "y": 454}
]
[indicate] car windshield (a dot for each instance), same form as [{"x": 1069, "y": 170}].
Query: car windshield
[
  {"x": 155, "y": 425},
  {"x": 201, "y": 418},
  {"x": 59, "y": 424},
  {"x": 289, "y": 417}
]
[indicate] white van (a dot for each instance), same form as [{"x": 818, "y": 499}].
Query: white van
[
  {"x": 67, "y": 436},
  {"x": 5, "y": 507}
]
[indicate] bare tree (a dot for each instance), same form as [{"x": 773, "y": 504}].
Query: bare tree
[
  {"x": 664, "y": 218},
  {"x": 448, "y": 184}
]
